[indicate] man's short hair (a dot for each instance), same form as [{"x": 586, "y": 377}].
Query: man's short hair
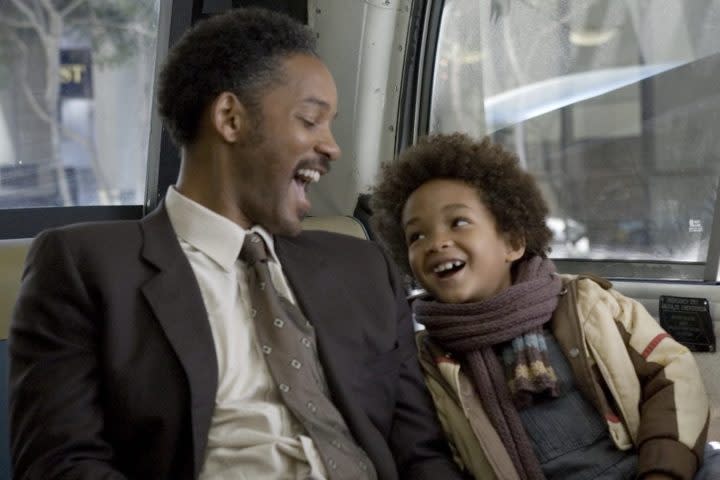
[{"x": 239, "y": 51}]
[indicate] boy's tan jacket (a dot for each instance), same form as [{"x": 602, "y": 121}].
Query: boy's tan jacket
[{"x": 655, "y": 400}]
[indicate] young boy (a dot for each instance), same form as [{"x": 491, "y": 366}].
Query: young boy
[{"x": 534, "y": 374}]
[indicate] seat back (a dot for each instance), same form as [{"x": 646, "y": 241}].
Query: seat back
[
  {"x": 337, "y": 224},
  {"x": 12, "y": 258},
  {"x": 4, "y": 423}
]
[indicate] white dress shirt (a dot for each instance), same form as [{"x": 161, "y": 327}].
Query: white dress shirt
[{"x": 253, "y": 435}]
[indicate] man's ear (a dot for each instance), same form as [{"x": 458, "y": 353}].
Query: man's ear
[
  {"x": 229, "y": 117},
  {"x": 514, "y": 249}
]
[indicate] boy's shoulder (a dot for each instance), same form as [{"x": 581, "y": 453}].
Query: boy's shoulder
[
  {"x": 586, "y": 290},
  {"x": 585, "y": 280}
]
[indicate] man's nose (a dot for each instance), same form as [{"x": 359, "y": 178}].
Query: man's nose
[{"x": 328, "y": 146}]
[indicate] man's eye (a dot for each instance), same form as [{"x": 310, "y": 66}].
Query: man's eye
[
  {"x": 459, "y": 222},
  {"x": 307, "y": 122}
]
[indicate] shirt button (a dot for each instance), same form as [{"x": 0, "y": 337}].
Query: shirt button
[
  {"x": 306, "y": 341},
  {"x": 278, "y": 323},
  {"x": 262, "y": 285},
  {"x": 311, "y": 406},
  {"x": 574, "y": 352},
  {"x": 253, "y": 313},
  {"x": 255, "y": 239},
  {"x": 336, "y": 444},
  {"x": 266, "y": 350},
  {"x": 284, "y": 388},
  {"x": 332, "y": 464},
  {"x": 296, "y": 365}
]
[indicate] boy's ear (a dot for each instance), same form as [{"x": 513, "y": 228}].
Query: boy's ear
[
  {"x": 229, "y": 117},
  {"x": 514, "y": 250}
]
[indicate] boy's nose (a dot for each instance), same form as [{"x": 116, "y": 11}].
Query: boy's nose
[{"x": 440, "y": 242}]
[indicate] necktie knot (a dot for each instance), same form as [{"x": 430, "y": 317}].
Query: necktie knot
[{"x": 253, "y": 249}]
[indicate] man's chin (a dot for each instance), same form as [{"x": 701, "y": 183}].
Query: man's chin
[{"x": 288, "y": 227}]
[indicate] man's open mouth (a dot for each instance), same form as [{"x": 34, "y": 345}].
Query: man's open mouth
[{"x": 306, "y": 176}]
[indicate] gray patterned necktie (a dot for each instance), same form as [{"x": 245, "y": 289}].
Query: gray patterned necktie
[{"x": 288, "y": 341}]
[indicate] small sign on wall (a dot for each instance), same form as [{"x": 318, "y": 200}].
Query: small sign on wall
[
  {"x": 76, "y": 73},
  {"x": 688, "y": 320}
]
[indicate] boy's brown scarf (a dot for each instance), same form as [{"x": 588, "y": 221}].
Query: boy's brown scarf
[{"x": 472, "y": 329}]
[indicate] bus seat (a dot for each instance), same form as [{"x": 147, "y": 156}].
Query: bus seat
[
  {"x": 4, "y": 420},
  {"x": 363, "y": 212},
  {"x": 12, "y": 258},
  {"x": 338, "y": 224}
]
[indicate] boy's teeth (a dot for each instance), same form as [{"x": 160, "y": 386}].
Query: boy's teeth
[
  {"x": 447, "y": 266},
  {"x": 309, "y": 175}
]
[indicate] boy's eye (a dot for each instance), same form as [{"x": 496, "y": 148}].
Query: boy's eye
[
  {"x": 413, "y": 237},
  {"x": 459, "y": 222}
]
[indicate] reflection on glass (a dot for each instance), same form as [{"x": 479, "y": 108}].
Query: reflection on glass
[
  {"x": 75, "y": 101},
  {"x": 611, "y": 104}
]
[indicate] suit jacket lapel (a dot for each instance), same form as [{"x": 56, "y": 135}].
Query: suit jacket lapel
[{"x": 175, "y": 299}]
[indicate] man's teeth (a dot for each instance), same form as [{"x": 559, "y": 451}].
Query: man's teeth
[
  {"x": 443, "y": 267},
  {"x": 308, "y": 175}
]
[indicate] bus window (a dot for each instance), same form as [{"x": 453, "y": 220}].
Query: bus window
[
  {"x": 76, "y": 81},
  {"x": 611, "y": 105}
]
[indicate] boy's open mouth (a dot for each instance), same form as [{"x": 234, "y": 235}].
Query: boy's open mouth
[{"x": 448, "y": 269}]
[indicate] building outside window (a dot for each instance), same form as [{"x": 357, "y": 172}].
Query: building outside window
[
  {"x": 612, "y": 104},
  {"x": 76, "y": 86}
]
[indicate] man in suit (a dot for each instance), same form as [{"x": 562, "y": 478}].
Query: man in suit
[{"x": 133, "y": 345}]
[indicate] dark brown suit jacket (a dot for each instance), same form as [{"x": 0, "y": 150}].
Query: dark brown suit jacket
[{"x": 113, "y": 371}]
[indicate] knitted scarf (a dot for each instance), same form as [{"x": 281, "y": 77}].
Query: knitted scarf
[{"x": 516, "y": 315}]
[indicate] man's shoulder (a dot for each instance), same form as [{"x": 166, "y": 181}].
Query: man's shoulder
[
  {"x": 103, "y": 234},
  {"x": 94, "y": 244},
  {"x": 93, "y": 234},
  {"x": 353, "y": 256}
]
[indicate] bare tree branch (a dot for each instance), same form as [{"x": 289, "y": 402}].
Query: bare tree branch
[
  {"x": 35, "y": 104},
  {"x": 67, "y": 10},
  {"x": 45, "y": 115},
  {"x": 48, "y": 6},
  {"x": 27, "y": 91},
  {"x": 12, "y": 23},
  {"x": 27, "y": 11},
  {"x": 38, "y": 11},
  {"x": 134, "y": 27},
  {"x": 87, "y": 144},
  {"x": 33, "y": 19}
]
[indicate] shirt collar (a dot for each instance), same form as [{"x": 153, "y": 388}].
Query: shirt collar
[{"x": 216, "y": 236}]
